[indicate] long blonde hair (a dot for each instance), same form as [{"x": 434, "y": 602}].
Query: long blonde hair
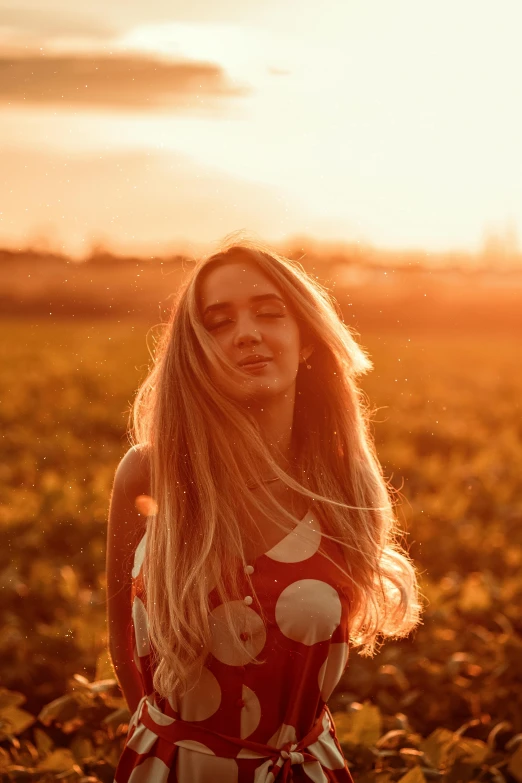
[{"x": 204, "y": 449}]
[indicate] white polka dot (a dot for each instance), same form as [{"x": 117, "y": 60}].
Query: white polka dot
[
  {"x": 308, "y": 611},
  {"x": 203, "y": 699},
  {"x": 247, "y": 622},
  {"x": 300, "y": 544},
  {"x": 285, "y": 733},
  {"x": 244, "y": 753},
  {"x": 262, "y": 773},
  {"x": 250, "y": 713},
  {"x": 138, "y": 556},
  {"x": 326, "y": 752},
  {"x": 196, "y": 763},
  {"x": 195, "y": 746},
  {"x": 313, "y": 770},
  {"x": 159, "y": 717},
  {"x": 141, "y": 627},
  {"x": 151, "y": 769},
  {"x": 142, "y": 740},
  {"x": 331, "y": 671}
]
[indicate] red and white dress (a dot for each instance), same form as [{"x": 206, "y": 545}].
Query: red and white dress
[{"x": 244, "y": 722}]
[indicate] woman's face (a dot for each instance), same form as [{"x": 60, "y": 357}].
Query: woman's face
[{"x": 247, "y": 315}]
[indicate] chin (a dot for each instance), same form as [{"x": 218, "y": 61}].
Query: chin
[{"x": 266, "y": 390}]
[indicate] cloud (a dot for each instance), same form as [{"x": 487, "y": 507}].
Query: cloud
[
  {"x": 118, "y": 82},
  {"x": 48, "y": 23}
]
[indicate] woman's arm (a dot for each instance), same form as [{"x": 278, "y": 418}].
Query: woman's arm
[{"x": 125, "y": 529}]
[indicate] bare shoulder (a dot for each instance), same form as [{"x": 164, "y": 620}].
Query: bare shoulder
[
  {"x": 127, "y": 518},
  {"x": 132, "y": 476}
]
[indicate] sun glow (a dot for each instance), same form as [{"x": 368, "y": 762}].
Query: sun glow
[
  {"x": 398, "y": 122},
  {"x": 244, "y": 53}
]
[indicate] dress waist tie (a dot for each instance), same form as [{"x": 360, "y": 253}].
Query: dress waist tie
[{"x": 279, "y": 761}]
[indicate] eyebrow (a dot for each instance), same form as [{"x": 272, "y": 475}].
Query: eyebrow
[{"x": 257, "y": 298}]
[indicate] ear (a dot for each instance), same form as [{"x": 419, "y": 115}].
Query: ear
[{"x": 306, "y": 352}]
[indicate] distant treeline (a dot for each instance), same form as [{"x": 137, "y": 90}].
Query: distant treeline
[
  {"x": 493, "y": 257},
  {"x": 371, "y": 293}
]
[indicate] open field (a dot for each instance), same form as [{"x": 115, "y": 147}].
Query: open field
[{"x": 448, "y": 427}]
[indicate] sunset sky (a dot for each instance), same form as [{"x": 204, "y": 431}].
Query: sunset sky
[{"x": 148, "y": 125}]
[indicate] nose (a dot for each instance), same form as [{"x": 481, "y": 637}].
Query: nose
[{"x": 246, "y": 333}]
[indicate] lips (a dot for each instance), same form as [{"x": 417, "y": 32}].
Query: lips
[{"x": 254, "y": 359}]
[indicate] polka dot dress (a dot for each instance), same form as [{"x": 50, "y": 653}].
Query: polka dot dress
[{"x": 242, "y": 722}]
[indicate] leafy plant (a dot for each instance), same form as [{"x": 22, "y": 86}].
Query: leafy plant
[{"x": 445, "y": 704}]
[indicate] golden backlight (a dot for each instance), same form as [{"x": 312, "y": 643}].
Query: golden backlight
[{"x": 396, "y": 124}]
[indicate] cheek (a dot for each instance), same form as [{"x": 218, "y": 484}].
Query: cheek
[
  {"x": 287, "y": 359},
  {"x": 287, "y": 348}
]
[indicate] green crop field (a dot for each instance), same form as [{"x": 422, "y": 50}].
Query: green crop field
[{"x": 448, "y": 426}]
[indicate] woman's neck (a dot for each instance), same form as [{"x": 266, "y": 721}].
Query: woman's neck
[{"x": 275, "y": 418}]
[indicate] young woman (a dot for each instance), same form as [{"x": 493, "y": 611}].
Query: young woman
[{"x": 270, "y": 545}]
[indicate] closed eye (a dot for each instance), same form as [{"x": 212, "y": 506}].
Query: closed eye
[
  {"x": 229, "y": 320},
  {"x": 217, "y": 325}
]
